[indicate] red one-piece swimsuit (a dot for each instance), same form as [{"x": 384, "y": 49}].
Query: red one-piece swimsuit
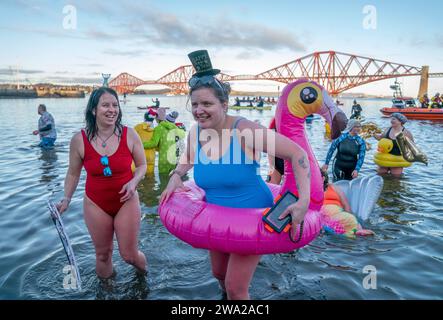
[{"x": 103, "y": 190}]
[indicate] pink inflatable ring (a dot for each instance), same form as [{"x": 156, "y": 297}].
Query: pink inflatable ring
[
  {"x": 238, "y": 230},
  {"x": 208, "y": 226}
]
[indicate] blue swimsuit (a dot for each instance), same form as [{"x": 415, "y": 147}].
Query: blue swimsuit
[{"x": 233, "y": 180}]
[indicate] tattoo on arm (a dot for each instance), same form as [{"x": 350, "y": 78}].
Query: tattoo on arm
[{"x": 302, "y": 163}]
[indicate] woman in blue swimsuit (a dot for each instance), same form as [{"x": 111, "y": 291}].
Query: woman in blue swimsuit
[{"x": 226, "y": 167}]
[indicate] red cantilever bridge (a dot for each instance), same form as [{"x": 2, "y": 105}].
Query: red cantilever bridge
[{"x": 336, "y": 71}]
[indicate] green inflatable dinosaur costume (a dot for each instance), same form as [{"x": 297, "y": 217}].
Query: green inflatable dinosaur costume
[{"x": 164, "y": 140}]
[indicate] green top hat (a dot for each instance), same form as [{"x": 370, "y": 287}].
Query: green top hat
[{"x": 202, "y": 63}]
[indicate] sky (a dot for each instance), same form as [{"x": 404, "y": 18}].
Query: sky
[{"x": 75, "y": 41}]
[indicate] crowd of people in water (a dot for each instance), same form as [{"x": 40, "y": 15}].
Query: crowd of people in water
[{"x": 107, "y": 149}]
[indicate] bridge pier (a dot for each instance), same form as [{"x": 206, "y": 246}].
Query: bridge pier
[{"x": 424, "y": 80}]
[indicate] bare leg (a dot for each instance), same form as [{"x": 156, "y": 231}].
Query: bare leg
[
  {"x": 396, "y": 172},
  {"x": 364, "y": 232},
  {"x": 382, "y": 170},
  {"x": 219, "y": 264},
  {"x": 101, "y": 229},
  {"x": 127, "y": 226},
  {"x": 239, "y": 275}
]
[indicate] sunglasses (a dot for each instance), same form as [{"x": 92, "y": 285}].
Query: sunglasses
[
  {"x": 104, "y": 160},
  {"x": 205, "y": 80}
]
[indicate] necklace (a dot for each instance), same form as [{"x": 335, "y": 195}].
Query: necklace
[{"x": 104, "y": 141}]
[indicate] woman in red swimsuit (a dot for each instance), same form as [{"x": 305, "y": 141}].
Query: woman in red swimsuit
[{"x": 111, "y": 205}]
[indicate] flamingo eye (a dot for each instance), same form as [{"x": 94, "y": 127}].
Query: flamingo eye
[{"x": 308, "y": 95}]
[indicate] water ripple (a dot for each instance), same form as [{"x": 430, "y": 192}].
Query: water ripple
[{"x": 407, "y": 250}]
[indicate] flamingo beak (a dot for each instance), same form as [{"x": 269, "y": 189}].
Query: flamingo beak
[{"x": 339, "y": 123}]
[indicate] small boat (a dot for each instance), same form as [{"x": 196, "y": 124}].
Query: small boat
[
  {"x": 241, "y": 108},
  {"x": 360, "y": 118},
  {"x": 250, "y": 108},
  {"x": 415, "y": 113},
  {"x": 263, "y": 108},
  {"x": 150, "y": 107},
  {"x": 408, "y": 107}
]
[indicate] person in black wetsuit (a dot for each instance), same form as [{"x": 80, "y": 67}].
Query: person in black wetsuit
[
  {"x": 260, "y": 103},
  {"x": 397, "y": 125},
  {"x": 356, "y": 110},
  {"x": 156, "y": 102},
  {"x": 351, "y": 150}
]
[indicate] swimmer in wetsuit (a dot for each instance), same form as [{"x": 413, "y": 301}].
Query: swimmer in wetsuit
[{"x": 351, "y": 150}]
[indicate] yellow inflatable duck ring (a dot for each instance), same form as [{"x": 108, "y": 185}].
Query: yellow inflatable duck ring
[
  {"x": 145, "y": 132},
  {"x": 384, "y": 159},
  {"x": 327, "y": 131}
]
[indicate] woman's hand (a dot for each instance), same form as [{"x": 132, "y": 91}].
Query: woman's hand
[
  {"x": 325, "y": 168},
  {"x": 63, "y": 205},
  {"x": 354, "y": 174},
  {"x": 175, "y": 184},
  {"x": 129, "y": 190},
  {"x": 35, "y": 132},
  {"x": 297, "y": 211}
]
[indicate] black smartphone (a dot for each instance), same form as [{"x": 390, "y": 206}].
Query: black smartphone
[{"x": 271, "y": 217}]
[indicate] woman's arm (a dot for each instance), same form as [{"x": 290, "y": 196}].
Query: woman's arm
[
  {"x": 261, "y": 139},
  {"x": 185, "y": 163},
  {"x": 136, "y": 147},
  {"x": 331, "y": 151},
  {"x": 74, "y": 170},
  {"x": 155, "y": 139},
  {"x": 138, "y": 155},
  {"x": 381, "y": 135},
  {"x": 271, "y": 161},
  {"x": 409, "y": 135},
  {"x": 277, "y": 145},
  {"x": 361, "y": 153}
]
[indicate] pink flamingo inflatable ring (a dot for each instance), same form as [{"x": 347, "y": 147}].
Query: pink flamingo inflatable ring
[{"x": 238, "y": 230}]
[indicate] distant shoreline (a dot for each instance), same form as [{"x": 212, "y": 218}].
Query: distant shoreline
[{"x": 58, "y": 91}]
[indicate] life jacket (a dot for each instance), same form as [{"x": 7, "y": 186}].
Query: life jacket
[{"x": 332, "y": 197}]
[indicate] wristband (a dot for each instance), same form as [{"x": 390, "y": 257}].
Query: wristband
[
  {"x": 175, "y": 172},
  {"x": 67, "y": 199}
]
